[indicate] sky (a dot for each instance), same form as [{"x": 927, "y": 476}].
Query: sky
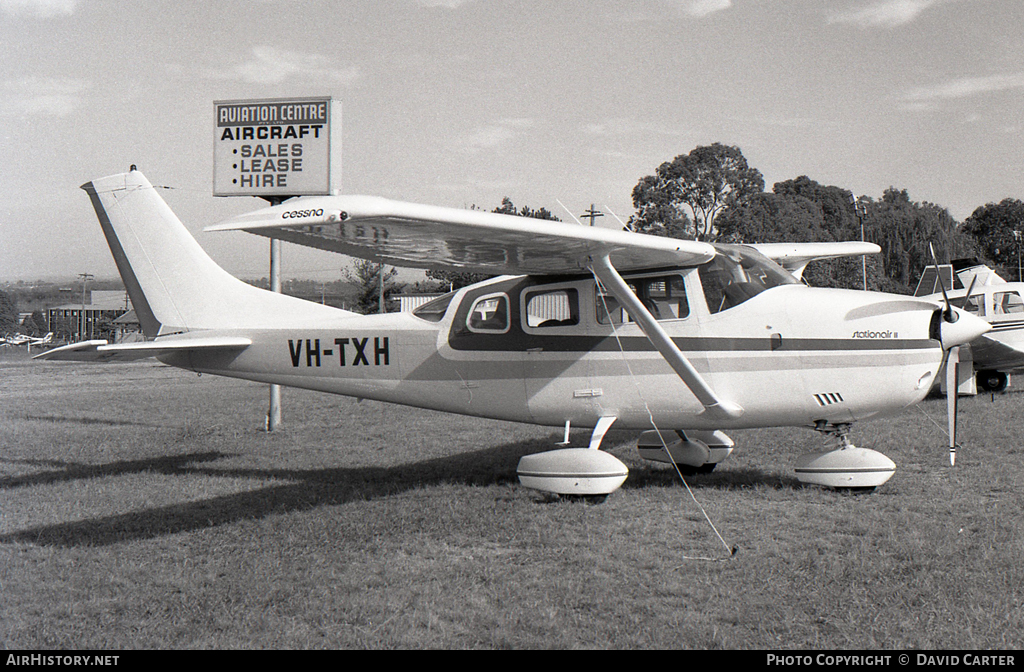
[{"x": 464, "y": 102}]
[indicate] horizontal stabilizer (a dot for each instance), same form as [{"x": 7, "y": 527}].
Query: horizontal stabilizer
[
  {"x": 101, "y": 351},
  {"x": 794, "y": 257}
]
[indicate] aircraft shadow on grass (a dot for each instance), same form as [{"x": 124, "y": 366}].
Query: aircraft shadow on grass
[
  {"x": 73, "y": 471},
  {"x": 92, "y": 421},
  {"x": 305, "y": 490},
  {"x": 730, "y": 479}
]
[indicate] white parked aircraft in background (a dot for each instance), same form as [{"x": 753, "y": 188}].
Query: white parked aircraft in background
[
  {"x": 24, "y": 339},
  {"x": 981, "y": 291},
  {"x": 596, "y": 327}
]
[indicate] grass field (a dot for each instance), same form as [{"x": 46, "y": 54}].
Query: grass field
[{"x": 144, "y": 507}]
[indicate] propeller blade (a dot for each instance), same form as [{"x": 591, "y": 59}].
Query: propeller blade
[
  {"x": 952, "y": 379},
  {"x": 948, "y": 315}
]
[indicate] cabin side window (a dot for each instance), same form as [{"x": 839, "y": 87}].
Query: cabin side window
[
  {"x": 552, "y": 308},
  {"x": 976, "y": 305},
  {"x": 663, "y": 296},
  {"x": 489, "y": 315},
  {"x": 1007, "y": 303},
  {"x": 609, "y": 311}
]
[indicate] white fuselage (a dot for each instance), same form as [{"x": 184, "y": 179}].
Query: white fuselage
[{"x": 791, "y": 355}]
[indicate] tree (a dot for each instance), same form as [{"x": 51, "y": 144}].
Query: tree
[
  {"x": 802, "y": 210},
  {"x": 36, "y": 323},
  {"x": 8, "y": 313},
  {"x": 64, "y": 329},
  {"x": 452, "y": 280},
  {"x": 993, "y": 228},
  {"x": 904, "y": 229},
  {"x": 366, "y": 276},
  {"x": 774, "y": 218},
  {"x": 507, "y": 207},
  {"x": 771, "y": 218},
  {"x": 685, "y": 196},
  {"x": 838, "y": 206}
]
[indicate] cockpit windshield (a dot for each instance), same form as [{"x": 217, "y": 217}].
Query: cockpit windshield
[{"x": 739, "y": 273}]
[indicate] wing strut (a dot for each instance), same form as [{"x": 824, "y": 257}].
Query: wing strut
[{"x": 613, "y": 282}]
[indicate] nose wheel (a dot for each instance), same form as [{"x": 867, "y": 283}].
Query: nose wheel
[
  {"x": 846, "y": 467},
  {"x": 992, "y": 381}
]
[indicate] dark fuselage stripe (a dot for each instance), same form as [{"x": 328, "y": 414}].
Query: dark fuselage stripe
[{"x": 583, "y": 343}]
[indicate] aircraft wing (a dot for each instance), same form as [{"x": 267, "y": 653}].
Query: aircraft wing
[
  {"x": 431, "y": 237},
  {"x": 794, "y": 257},
  {"x": 990, "y": 353},
  {"x": 101, "y": 351}
]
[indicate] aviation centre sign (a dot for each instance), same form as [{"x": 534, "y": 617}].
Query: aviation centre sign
[{"x": 277, "y": 147}]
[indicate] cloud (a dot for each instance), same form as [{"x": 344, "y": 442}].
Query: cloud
[
  {"x": 41, "y": 96},
  {"x": 270, "y": 65},
  {"x": 493, "y": 136},
  {"x": 625, "y": 126},
  {"x": 966, "y": 87},
  {"x": 701, "y": 8},
  {"x": 885, "y": 13},
  {"x": 448, "y": 4},
  {"x": 43, "y": 9}
]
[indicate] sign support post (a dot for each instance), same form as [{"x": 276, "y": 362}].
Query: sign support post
[{"x": 274, "y": 412}]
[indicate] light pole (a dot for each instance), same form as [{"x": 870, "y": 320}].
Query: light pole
[
  {"x": 82, "y": 321},
  {"x": 861, "y": 207},
  {"x": 1016, "y": 237}
]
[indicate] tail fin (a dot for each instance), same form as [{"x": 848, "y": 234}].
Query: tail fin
[{"x": 173, "y": 284}]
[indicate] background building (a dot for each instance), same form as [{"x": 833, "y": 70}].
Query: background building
[{"x": 72, "y": 322}]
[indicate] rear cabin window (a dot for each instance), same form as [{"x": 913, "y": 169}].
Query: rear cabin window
[
  {"x": 663, "y": 296},
  {"x": 489, "y": 315},
  {"x": 434, "y": 310},
  {"x": 553, "y": 308}
]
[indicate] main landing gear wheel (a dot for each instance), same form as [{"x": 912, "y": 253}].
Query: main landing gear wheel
[
  {"x": 992, "y": 381},
  {"x": 584, "y": 473},
  {"x": 692, "y": 452}
]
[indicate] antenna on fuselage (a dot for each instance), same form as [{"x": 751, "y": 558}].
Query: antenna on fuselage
[
  {"x": 625, "y": 227},
  {"x": 574, "y": 218}
]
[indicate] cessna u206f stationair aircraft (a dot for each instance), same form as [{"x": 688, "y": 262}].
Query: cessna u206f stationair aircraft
[{"x": 597, "y": 327}]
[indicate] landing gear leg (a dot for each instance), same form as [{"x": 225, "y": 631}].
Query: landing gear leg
[{"x": 840, "y": 432}]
